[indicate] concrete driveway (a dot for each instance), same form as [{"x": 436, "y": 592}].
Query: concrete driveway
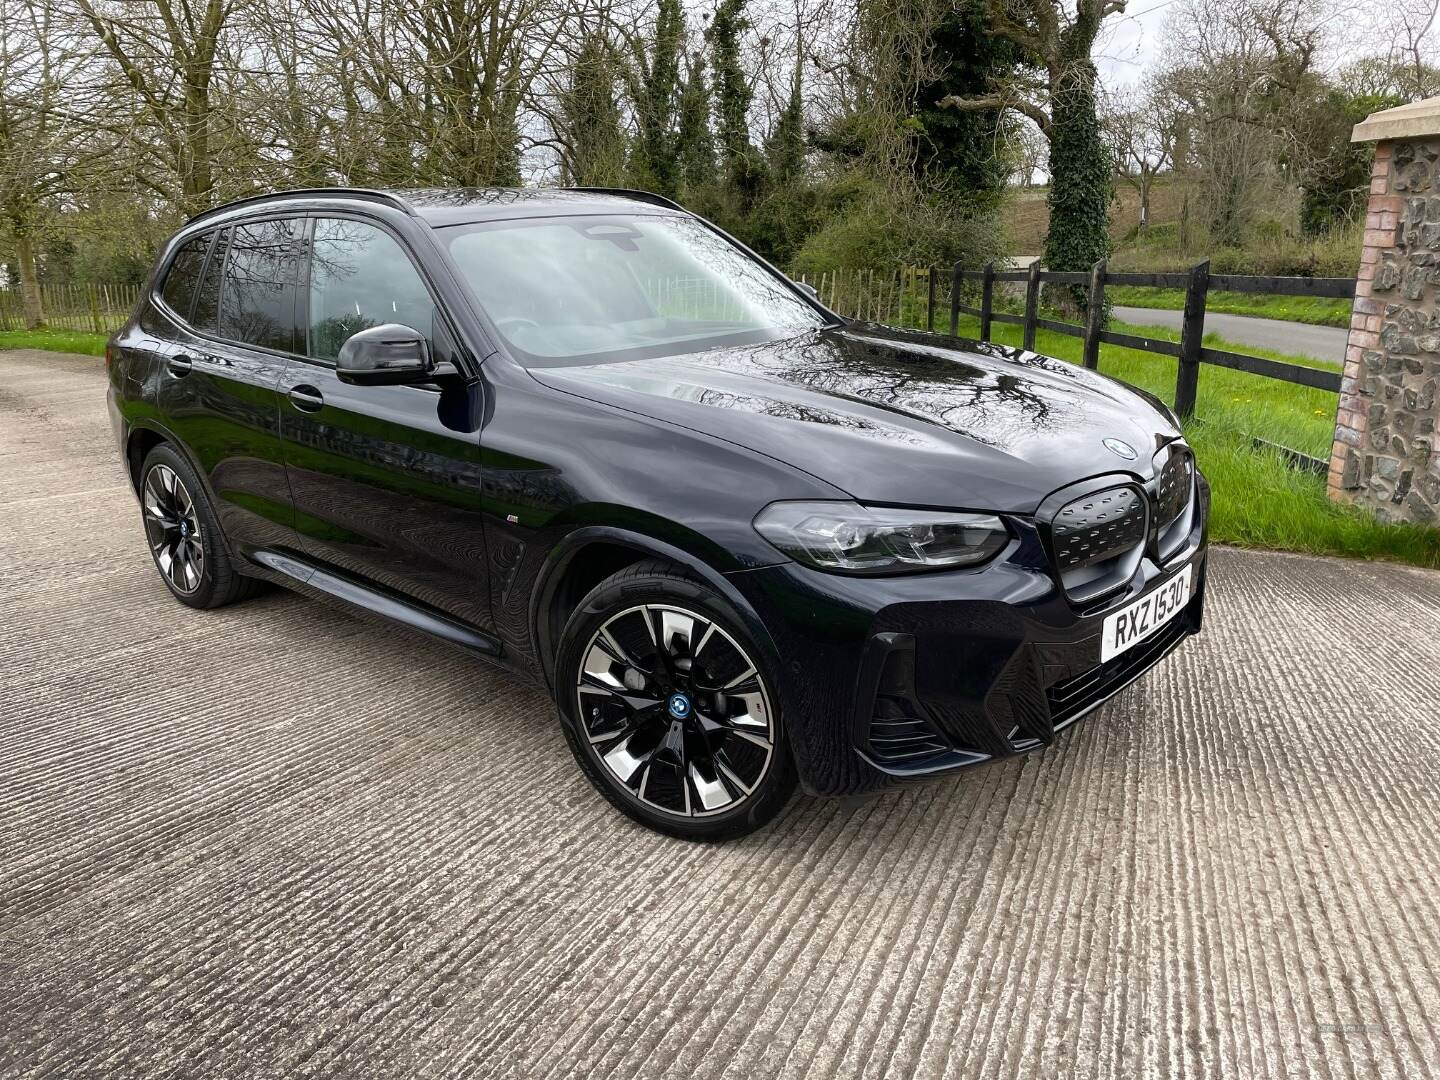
[
  {"x": 274, "y": 841},
  {"x": 1292, "y": 338}
]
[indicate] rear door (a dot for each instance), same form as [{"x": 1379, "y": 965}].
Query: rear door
[
  {"x": 383, "y": 489},
  {"x": 220, "y": 386}
]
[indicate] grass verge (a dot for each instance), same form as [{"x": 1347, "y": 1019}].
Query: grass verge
[
  {"x": 1258, "y": 500},
  {"x": 71, "y": 341},
  {"x": 1315, "y": 310}
]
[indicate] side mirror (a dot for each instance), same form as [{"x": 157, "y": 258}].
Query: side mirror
[
  {"x": 387, "y": 355},
  {"x": 809, "y": 289}
]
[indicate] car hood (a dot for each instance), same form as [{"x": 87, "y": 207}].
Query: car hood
[{"x": 897, "y": 417}]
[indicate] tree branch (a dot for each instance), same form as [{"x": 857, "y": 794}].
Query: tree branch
[{"x": 998, "y": 103}]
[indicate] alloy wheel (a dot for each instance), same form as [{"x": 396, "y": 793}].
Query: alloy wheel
[
  {"x": 676, "y": 710},
  {"x": 173, "y": 529}
]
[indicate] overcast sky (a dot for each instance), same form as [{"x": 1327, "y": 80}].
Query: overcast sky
[{"x": 1130, "y": 41}]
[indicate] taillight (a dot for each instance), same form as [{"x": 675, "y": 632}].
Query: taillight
[{"x": 109, "y": 355}]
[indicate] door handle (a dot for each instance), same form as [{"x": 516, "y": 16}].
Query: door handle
[
  {"x": 179, "y": 365},
  {"x": 306, "y": 398}
]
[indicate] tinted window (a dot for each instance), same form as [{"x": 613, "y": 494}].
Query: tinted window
[
  {"x": 257, "y": 303},
  {"x": 207, "y": 297},
  {"x": 183, "y": 279},
  {"x": 360, "y": 277}
]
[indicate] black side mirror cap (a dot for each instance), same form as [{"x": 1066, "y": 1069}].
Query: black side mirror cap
[{"x": 391, "y": 354}]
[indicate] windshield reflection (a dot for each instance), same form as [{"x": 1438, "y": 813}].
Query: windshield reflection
[{"x": 573, "y": 289}]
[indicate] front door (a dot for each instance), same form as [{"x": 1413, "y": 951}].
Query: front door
[{"x": 383, "y": 490}]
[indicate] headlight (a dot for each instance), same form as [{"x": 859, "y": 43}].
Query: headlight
[{"x": 879, "y": 540}]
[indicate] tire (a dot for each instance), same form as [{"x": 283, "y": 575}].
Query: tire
[
  {"x": 688, "y": 740},
  {"x": 183, "y": 535}
]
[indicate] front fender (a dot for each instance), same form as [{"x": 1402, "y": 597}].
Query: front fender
[{"x": 564, "y": 552}]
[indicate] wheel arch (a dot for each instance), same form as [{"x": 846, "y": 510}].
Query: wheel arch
[
  {"x": 144, "y": 437},
  {"x": 587, "y": 556},
  {"x": 137, "y": 447}
]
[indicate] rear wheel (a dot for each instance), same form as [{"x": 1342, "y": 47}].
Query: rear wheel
[
  {"x": 183, "y": 535},
  {"x": 669, "y": 706}
]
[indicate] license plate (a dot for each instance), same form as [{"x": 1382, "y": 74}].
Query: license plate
[{"x": 1135, "y": 622}]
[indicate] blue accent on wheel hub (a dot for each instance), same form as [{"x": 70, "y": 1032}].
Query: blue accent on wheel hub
[{"x": 679, "y": 706}]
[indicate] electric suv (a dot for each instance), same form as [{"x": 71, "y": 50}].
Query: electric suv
[{"x": 745, "y": 543}]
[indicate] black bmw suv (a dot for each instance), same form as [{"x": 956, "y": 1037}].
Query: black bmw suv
[{"x": 745, "y": 543}]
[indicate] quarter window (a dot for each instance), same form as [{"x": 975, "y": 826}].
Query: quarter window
[
  {"x": 361, "y": 277},
  {"x": 257, "y": 303},
  {"x": 183, "y": 279}
]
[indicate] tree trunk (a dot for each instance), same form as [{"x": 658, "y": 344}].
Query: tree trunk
[
  {"x": 30, "y": 298},
  {"x": 1080, "y": 175},
  {"x": 1144, "y": 201}
]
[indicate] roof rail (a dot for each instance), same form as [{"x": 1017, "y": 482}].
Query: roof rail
[
  {"x": 374, "y": 194},
  {"x": 632, "y": 193}
]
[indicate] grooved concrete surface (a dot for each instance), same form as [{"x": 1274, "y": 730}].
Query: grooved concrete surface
[{"x": 274, "y": 841}]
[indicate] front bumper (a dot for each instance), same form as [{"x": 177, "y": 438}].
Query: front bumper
[{"x": 893, "y": 679}]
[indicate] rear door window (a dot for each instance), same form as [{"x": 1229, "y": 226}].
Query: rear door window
[
  {"x": 262, "y": 272},
  {"x": 182, "y": 281},
  {"x": 207, "y": 296},
  {"x": 361, "y": 277}
]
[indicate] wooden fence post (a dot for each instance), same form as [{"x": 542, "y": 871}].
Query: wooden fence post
[
  {"x": 1032, "y": 305},
  {"x": 1095, "y": 316},
  {"x": 955, "y": 280},
  {"x": 930, "y": 302},
  {"x": 1192, "y": 332},
  {"x": 987, "y": 300},
  {"x": 94, "y": 298}
]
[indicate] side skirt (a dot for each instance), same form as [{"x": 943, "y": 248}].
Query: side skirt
[{"x": 297, "y": 572}]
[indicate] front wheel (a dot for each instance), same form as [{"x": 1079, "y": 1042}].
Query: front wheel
[{"x": 669, "y": 706}]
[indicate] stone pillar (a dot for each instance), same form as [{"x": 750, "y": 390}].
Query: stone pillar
[{"x": 1384, "y": 457}]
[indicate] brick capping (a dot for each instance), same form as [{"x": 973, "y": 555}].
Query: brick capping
[{"x": 1382, "y": 457}]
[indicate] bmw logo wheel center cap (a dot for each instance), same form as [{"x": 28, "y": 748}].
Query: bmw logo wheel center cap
[{"x": 679, "y": 706}]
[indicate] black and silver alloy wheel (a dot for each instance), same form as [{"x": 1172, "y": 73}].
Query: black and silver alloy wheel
[
  {"x": 172, "y": 526},
  {"x": 675, "y": 709}
]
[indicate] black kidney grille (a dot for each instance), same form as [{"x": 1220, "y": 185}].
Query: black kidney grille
[
  {"x": 1098, "y": 527},
  {"x": 1172, "y": 492}
]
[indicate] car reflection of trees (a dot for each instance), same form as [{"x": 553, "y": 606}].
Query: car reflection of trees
[
  {"x": 349, "y": 301},
  {"x": 261, "y": 273},
  {"x": 329, "y": 334},
  {"x": 802, "y": 413},
  {"x": 988, "y": 405}
]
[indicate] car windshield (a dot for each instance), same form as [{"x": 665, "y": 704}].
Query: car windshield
[{"x": 577, "y": 289}]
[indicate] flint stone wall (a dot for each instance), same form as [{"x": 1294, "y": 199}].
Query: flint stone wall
[{"x": 1384, "y": 456}]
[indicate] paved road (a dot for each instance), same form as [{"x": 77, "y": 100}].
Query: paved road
[
  {"x": 1295, "y": 339},
  {"x": 275, "y": 841}
]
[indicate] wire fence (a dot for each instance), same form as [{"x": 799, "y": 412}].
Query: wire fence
[{"x": 96, "y": 309}]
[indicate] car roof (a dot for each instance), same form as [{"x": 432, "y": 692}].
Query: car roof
[
  {"x": 457, "y": 206},
  {"x": 453, "y": 206}
]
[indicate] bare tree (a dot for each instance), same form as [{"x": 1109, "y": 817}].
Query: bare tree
[
  {"x": 168, "y": 52},
  {"x": 1411, "y": 24},
  {"x": 51, "y": 144},
  {"x": 1245, "y": 75},
  {"x": 1140, "y": 129}
]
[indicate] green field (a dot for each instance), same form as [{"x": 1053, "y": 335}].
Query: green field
[{"x": 1316, "y": 310}]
